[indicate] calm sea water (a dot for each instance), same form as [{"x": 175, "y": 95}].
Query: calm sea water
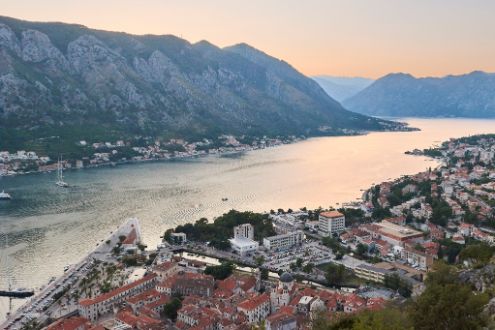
[{"x": 49, "y": 227}]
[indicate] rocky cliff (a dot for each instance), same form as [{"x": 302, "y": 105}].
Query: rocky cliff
[{"x": 77, "y": 83}]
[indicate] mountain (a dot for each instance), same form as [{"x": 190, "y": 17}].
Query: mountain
[
  {"x": 469, "y": 95},
  {"x": 342, "y": 88},
  {"x": 72, "y": 82}
]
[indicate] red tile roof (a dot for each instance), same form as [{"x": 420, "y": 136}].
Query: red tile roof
[
  {"x": 71, "y": 323},
  {"x": 109, "y": 295},
  {"x": 331, "y": 214},
  {"x": 254, "y": 302},
  {"x": 131, "y": 238}
]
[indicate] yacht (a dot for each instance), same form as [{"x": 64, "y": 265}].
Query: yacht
[
  {"x": 60, "y": 175},
  {"x": 5, "y": 196}
]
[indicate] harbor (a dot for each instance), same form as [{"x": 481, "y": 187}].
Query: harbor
[{"x": 43, "y": 304}]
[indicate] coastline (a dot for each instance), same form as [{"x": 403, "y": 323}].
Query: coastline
[{"x": 218, "y": 152}]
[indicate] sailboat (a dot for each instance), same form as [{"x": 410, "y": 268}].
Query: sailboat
[
  {"x": 60, "y": 175},
  {"x": 5, "y": 196}
]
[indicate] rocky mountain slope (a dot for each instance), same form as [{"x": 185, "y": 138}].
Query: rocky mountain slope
[
  {"x": 470, "y": 95},
  {"x": 74, "y": 82},
  {"x": 342, "y": 88}
]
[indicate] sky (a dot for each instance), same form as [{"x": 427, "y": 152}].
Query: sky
[{"x": 368, "y": 38}]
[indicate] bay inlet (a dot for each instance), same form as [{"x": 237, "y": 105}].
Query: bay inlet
[{"x": 48, "y": 228}]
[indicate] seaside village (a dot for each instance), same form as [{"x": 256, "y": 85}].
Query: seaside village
[
  {"x": 134, "y": 150},
  {"x": 397, "y": 231}
]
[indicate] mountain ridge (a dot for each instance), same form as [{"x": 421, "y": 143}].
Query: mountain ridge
[
  {"x": 470, "y": 95},
  {"x": 70, "y": 81},
  {"x": 341, "y": 88}
]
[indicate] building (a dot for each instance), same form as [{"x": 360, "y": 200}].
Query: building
[
  {"x": 281, "y": 321},
  {"x": 421, "y": 259},
  {"x": 256, "y": 308},
  {"x": 243, "y": 245},
  {"x": 178, "y": 238},
  {"x": 243, "y": 242},
  {"x": 187, "y": 284},
  {"x": 284, "y": 241},
  {"x": 395, "y": 234},
  {"x": 371, "y": 273},
  {"x": 245, "y": 230},
  {"x": 331, "y": 222},
  {"x": 166, "y": 269},
  {"x": 71, "y": 323},
  {"x": 282, "y": 294},
  {"x": 93, "y": 308}
]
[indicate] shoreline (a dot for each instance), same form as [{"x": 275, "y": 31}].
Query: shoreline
[{"x": 406, "y": 129}]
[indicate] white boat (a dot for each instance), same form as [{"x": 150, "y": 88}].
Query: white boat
[
  {"x": 60, "y": 175},
  {"x": 5, "y": 196}
]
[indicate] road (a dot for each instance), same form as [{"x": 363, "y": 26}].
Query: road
[{"x": 47, "y": 303}]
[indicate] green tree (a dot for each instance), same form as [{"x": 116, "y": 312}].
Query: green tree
[
  {"x": 170, "y": 309},
  {"x": 335, "y": 274},
  {"x": 308, "y": 268},
  {"x": 479, "y": 254},
  {"x": 264, "y": 274},
  {"x": 361, "y": 249},
  {"x": 221, "y": 271},
  {"x": 32, "y": 324},
  {"x": 394, "y": 282},
  {"x": 447, "y": 304}
]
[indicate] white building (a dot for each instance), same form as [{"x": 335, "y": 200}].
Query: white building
[
  {"x": 331, "y": 222},
  {"x": 245, "y": 230},
  {"x": 243, "y": 245},
  {"x": 178, "y": 238},
  {"x": 284, "y": 241},
  {"x": 256, "y": 309}
]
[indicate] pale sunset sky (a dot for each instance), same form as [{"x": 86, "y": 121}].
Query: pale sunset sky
[{"x": 367, "y": 38}]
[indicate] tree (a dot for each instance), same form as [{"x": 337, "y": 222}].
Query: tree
[
  {"x": 259, "y": 261},
  {"x": 299, "y": 262},
  {"x": 32, "y": 324},
  {"x": 221, "y": 271},
  {"x": 447, "y": 304},
  {"x": 479, "y": 254},
  {"x": 308, "y": 268},
  {"x": 264, "y": 274},
  {"x": 386, "y": 319},
  {"x": 170, "y": 309},
  {"x": 394, "y": 282},
  {"x": 335, "y": 274},
  {"x": 361, "y": 249},
  {"x": 220, "y": 244}
]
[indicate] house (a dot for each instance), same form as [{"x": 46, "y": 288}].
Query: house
[
  {"x": 256, "y": 308},
  {"x": 281, "y": 321}
]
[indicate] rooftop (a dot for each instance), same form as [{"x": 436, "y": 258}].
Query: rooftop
[
  {"x": 331, "y": 214},
  {"x": 242, "y": 241},
  {"x": 388, "y": 228},
  {"x": 105, "y": 296}
]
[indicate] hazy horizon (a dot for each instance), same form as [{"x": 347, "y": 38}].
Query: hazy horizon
[{"x": 353, "y": 39}]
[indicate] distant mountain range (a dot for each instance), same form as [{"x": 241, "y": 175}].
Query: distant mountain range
[
  {"x": 342, "y": 88},
  {"x": 74, "y": 83},
  {"x": 469, "y": 95}
]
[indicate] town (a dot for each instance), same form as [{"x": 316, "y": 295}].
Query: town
[
  {"x": 84, "y": 154},
  {"x": 286, "y": 269}
]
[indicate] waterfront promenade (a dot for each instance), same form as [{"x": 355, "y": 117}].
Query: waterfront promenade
[{"x": 47, "y": 303}]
